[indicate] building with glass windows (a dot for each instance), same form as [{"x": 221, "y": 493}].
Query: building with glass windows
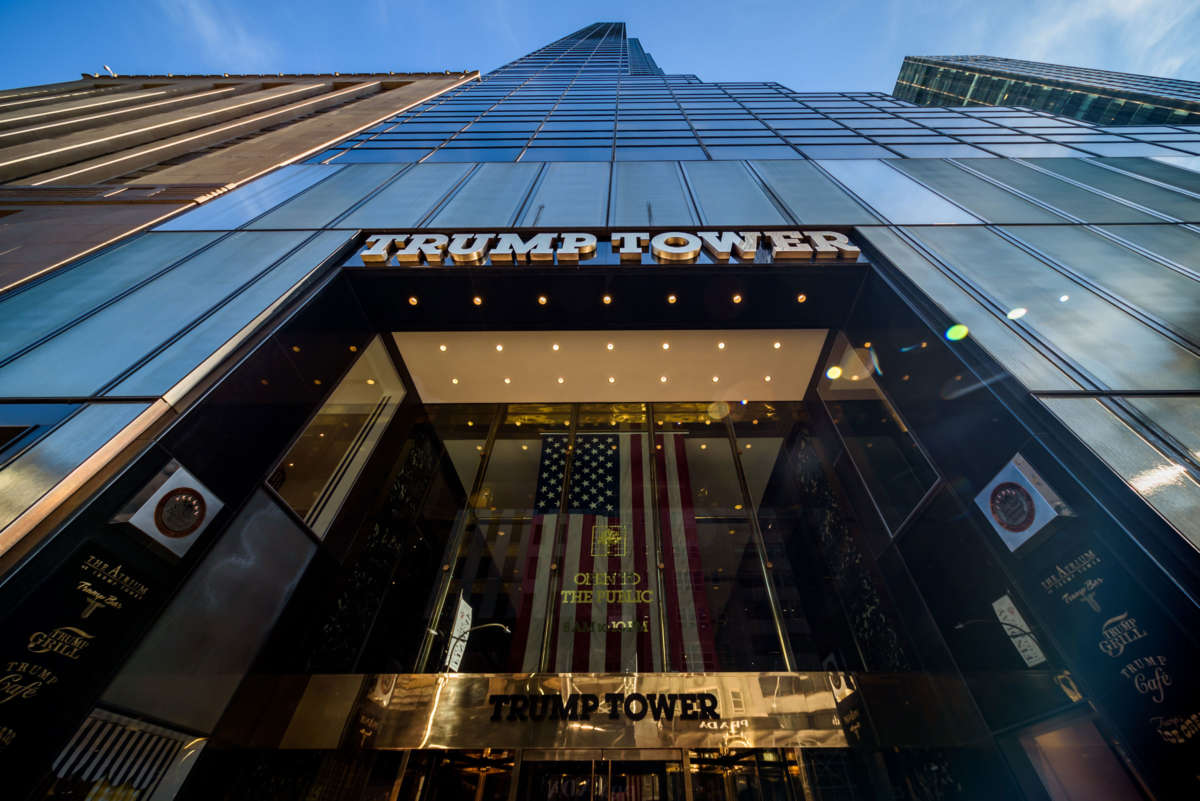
[
  {"x": 591, "y": 432},
  {"x": 1100, "y": 96}
]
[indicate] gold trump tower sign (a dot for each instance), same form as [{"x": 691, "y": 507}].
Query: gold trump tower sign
[{"x": 669, "y": 246}]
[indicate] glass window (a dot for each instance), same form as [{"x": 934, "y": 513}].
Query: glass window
[
  {"x": 406, "y": 201},
  {"x": 1074, "y": 200},
  {"x": 220, "y": 330},
  {"x": 318, "y": 471},
  {"x": 846, "y": 152},
  {"x": 567, "y": 154},
  {"x": 104, "y": 345},
  {"x": 809, "y": 195},
  {"x": 1161, "y": 170},
  {"x": 1126, "y": 149},
  {"x": 327, "y": 200},
  {"x": 236, "y": 208},
  {"x": 491, "y": 196},
  {"x": 475, "y": 154},
  {"x": 727, "y": 194},
  {"x": 988, "y": 201},
  {"x": 1025, "y": 151},
  {"x": 940, "y": 151},
  {"x": 569, "y": 195},
  {"x": 1120, "y": 351},
  {"x": 1161, "y": 199},
  {"x": 1166, "y": 294},
  {"x": 30, "y": 475},
  {"x": 1173, "y": 242},
  {"x": 751, "y": 152},
  {"x": 894, "y": 195},
  {"x": 894, "y": 468},
  {"x": 38, "y": 309},
  {"x": 1163, "y": 483},
  {"x": 380, "y": 155},
  {"x": 659, "y": 153},
  {"x": 649, "y": 193}
]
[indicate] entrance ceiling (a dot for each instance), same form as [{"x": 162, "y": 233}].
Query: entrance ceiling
[{"x": 472, "y": 366}]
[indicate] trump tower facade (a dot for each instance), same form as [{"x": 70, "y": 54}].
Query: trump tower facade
[{"x": 584, "y": 431}]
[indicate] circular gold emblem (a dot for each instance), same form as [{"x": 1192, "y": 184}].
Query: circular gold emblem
[
  {"x": 180, "y": 512},
  {"x": 1012, "y": 506}
]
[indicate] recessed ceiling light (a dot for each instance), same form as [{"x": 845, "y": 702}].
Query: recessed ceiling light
[
  {"x": 866, "y": 344},
  {"x": 524, "y": 447},
  {"x": 470, "y": 422},
  {"x": 720, "y": 346},
  {"x": 612, "y": 379},
  {"x": 453, "y": 380},
  {"x": 354, "y": 349},
  {"x": 736, "y": 298},
  {"x": 609, "y": 346},
  {"x": 666, "y": 346},
  {"x": 777, "y": 345},
  {"x": 801, "y": 298},
  {"x": 716, "y": 379},
  {"x": 662, "y": 378},
  {"x": 442, "y": 348},
  {"x": 561, "y": 379},
  {"x": 748, "y": 446},
  {"x": 671, "y": 298},
  {"x": 703, "y": 446},
  {"x": 499, "y": 347},
  {"x": 554, "y": 346},
  {"x": 507, "y": 380},
  {"x": 371, "y": 381},
  {"x": 767, "y": 378},
  {"x": 478, "y": 301},
  {"x": 412, "y": 300},
  {"x": 543, "y": 300},
  {"x": 478, "y": 447},
  {"x": 833, "y": 373},
  {"x": 607, "y": 299}
]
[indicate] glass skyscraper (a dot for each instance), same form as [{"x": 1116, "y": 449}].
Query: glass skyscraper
[
  {"x": 592, "y": 432},
  {"x": 1100, "y": 96}
]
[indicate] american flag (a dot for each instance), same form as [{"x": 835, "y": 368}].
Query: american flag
[{"x": 607, "y": 532}]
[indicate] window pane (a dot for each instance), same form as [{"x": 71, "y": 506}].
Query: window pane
[
  {"x": 243, "y": 204},
  {"x": 987, "y": 200},
  {"x": 810, "y": 196},
  {"x": 405, "y": 202},
  {"x": 727, "y": 194},
  {"x": 1074, "y": 200},
  {"x": 327, "y": 200},
  {"x": 570, "y": 195},
  {"x": 103, "y": 345},
  {"x": 35, "y": 311},
  {"x": 1117, "y": 349},
  {"x": 894, "y": 195},
  {"x": 1175, "y": 204},
  {"x": 649, "y": 193},
  {"x": 490, "y": 197}
]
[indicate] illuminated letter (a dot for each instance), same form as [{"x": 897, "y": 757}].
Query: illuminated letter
[
  {"x": 379, "y": 249},
  {"x": 788, "y": 245},
  {"x": 829, "y": 244},
  {"x": 469, "y": 247},
  {"x": 675, "y": 246},
  {"x": 511, "y": 248},
  {"x": 577, "y": 246},
  {"x": 743, "y": 243},
  {"x": 428, "y": 245},
  {"x": 629, "y": 245}
]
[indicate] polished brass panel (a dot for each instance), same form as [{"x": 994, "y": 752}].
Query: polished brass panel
[{"x": 453, "y": 711}]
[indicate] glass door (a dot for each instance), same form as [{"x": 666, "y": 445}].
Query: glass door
[{"x": 602, "y": 775}]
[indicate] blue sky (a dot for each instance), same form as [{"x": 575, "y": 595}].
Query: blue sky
[{"x": 843, "y": 44}]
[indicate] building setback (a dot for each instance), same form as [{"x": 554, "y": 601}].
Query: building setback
[
  {"x": 582, "y": 430},
  {"x": 85, "y": 163},
  {"x": 1099, "y": 96}
]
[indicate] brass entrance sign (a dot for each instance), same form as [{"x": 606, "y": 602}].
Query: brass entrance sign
[{"x": 572, "y": 710}]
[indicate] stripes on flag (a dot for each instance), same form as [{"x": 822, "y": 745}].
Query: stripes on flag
[
  {"x": 118, "y": 757},
  {"x": 537, "y": 568}
]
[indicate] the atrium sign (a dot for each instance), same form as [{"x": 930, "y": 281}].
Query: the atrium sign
[{"x": 666, "y": 247}]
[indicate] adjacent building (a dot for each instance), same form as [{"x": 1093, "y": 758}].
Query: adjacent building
[
  {"x": 85, "y": 163},
  {"x": 585, "y": 430},
  {"x": 1099, "y": 96}
]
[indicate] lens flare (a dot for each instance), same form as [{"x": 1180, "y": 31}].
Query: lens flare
[
  {"x": 833, "y": 373},
  {"x": 956, "y": 332}
]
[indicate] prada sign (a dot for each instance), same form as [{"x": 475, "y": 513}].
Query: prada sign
[{"x": 573, "y": 247}]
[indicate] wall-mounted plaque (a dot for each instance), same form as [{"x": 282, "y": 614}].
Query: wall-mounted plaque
[{"x": 1018, "y": 503}]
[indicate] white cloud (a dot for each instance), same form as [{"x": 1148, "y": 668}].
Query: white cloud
[{"x": 227, "y": 42}]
